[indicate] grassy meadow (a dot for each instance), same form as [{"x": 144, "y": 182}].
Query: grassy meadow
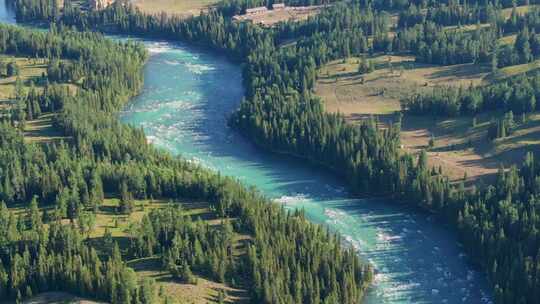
[
  {"x": 178, "y": 7},
  {"x": 460, "y": 144}
]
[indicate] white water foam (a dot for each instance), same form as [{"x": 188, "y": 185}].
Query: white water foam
[
  {"x": 158, "y": 47},
  {"x": 199, "y": 68},
  {"x": 173, "y": 62},
  {"x": 334, "y": 213},
  {"x": 387, "y": 238},
  {"x": 289, "y": 200}
]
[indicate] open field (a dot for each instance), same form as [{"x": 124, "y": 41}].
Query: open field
[
  {"x": 272, "y": 17},
  {"x": 508, "y": 39},
  {"x": 41, "y": 130},
  {"x": 514, "y": 70},
  {"x": 356, "y": 96},
  {"x": 461, "y": 148},
  {"x": 457, "y": 144},
  {"x": 30, "y": 71},
  {"x": 57, "y": 297},
  {"x": 205, "y": 291},
  {"x": 467, "y": 27},
  {"x": 175, "y": 7},
  {"x": 521, "y": 10}
]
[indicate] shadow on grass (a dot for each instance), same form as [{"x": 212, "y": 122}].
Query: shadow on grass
[{"x": 461, "y": 71}]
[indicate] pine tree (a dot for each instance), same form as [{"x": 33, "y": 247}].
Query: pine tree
[{"x": 126, "y": 199}]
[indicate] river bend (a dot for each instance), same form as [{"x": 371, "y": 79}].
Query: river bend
[{"x": 187, "y": 95}]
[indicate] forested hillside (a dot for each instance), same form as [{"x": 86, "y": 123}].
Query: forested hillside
[
  {"x": 498, "y": 223},
  {"x": 60, "y": 186}
]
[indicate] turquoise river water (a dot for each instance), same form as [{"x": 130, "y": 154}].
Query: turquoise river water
[{"x": 187, "y": 95}]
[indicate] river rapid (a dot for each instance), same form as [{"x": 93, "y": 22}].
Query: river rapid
[{"x": 187, "y": 96}]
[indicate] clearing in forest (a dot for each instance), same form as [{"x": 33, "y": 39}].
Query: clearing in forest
[
  {"x": 347, "y": 91},
  {"x": 460, "y": 145},
  {"x": 521, "y": 10},
  {"x": 174, "y": 7},
  {"x": 206, "y": 290},
  {"x": 30, "y": 71},
  {"x": 58, "y": 297},
  {"x": 269, "y": 17}
]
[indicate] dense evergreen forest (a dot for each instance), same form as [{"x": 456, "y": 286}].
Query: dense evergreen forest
[
  {"x": 498, "y": 223},
  {"x": 45, "y": 251},
  {"x": 517, "y": 94}
]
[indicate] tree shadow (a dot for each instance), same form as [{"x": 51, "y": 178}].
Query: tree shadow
[{"x": 461, "y": 71}]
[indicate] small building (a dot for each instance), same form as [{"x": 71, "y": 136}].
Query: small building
[
  {"x": 278, "y": 6},
  {"x": 256, "y": 10}
]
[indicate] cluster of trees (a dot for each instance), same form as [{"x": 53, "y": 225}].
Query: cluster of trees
[
  {"x": 431, "y": 43},
  {"x": 112, "y": 72},
  {"x": 517, "y": 22},
  {"x": 284, "y": 263},
  {"x": 498, "y": 226},
  {"x": 8, "y": 69},
  {"x": 525, "y": 49},
  {"x": 500, "y": 128},
  {"x": 35, "y": 259},
  {"x": 452, "y": 14},
  {"x": 347, "y": 17},
  {"x": 517, "y": 94},
  {"x": 186, "y": 245},
  {"x": 425, "y": 35}
]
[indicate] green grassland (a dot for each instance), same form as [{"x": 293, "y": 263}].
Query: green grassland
[
  {"x": 178, "y": 7},
  {"x": 345, "y": 90},
  {"x": 460, "y": 146},
  {"x": 31, "y": 71}
]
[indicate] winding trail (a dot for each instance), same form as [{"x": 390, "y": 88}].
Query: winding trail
[{"x": 187, "y": 95}]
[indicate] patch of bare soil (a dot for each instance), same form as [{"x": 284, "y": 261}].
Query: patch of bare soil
[
  {"x": 457, "y": 146},
  {"x": 58, "y": 297},
  {"x": 205, "y": 291}
]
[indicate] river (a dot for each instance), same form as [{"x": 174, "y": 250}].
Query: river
[{"x": 187, "y": 95}]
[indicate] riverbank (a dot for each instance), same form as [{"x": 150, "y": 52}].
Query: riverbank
[
  {"x": 186, "y": 117},
  {"x": 188, "y": 120}
]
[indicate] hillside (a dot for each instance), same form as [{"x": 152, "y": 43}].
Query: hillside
[
  {"x": 174, "y": 7},
  {"x": 460, "y": 144}
]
